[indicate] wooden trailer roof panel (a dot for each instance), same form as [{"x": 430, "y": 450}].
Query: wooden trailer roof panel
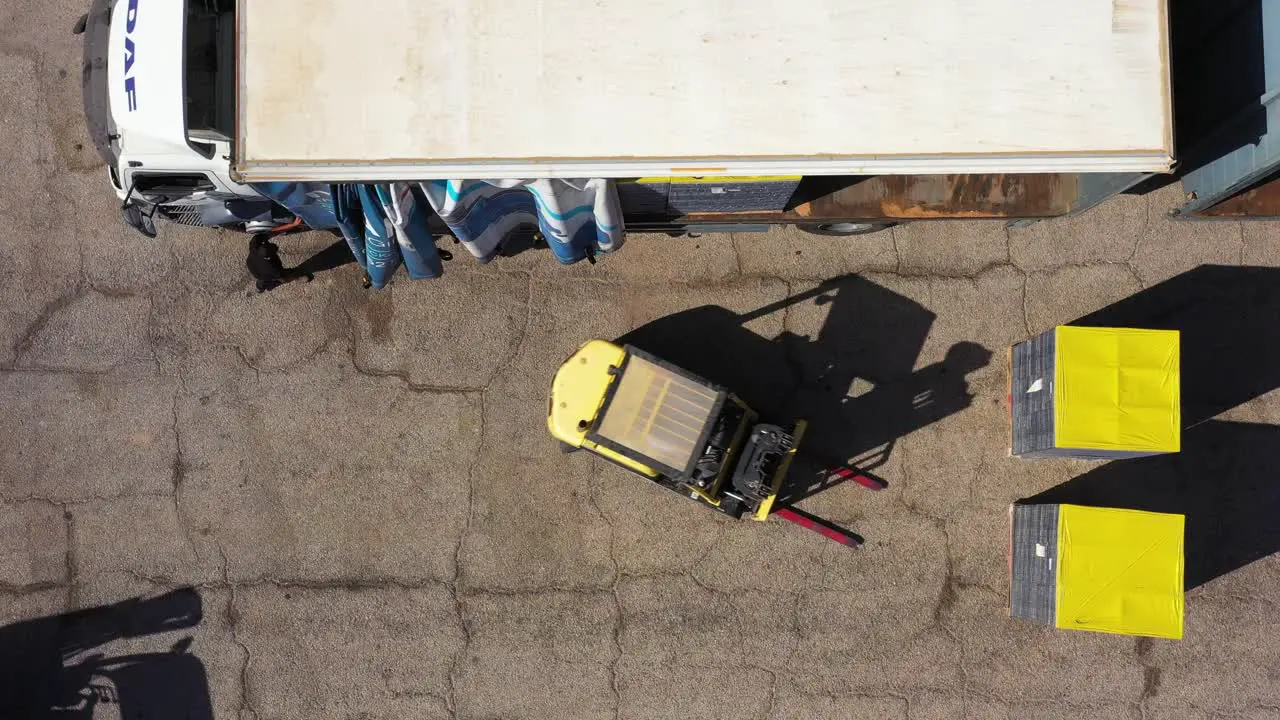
[{"x": 558, "y": 87}]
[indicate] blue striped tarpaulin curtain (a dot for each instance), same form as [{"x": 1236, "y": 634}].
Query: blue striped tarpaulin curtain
[
  {"x": 577, "y": 217},
  {"x": 387, "y": 224}
]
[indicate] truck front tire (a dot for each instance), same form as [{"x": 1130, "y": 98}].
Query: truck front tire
[{"x": 843, "y": 229}]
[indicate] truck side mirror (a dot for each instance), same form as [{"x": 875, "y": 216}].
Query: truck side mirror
[{"x": 142, "y": 222}]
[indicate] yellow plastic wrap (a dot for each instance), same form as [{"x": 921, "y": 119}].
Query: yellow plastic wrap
[
  {"x": 1117, "y": 389},
  {"x": 1120, "y": 571}
]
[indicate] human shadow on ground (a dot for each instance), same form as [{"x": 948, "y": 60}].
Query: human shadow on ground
[
  {"x": 1226, "y": 478},
  {"x": 339, "y": 254},
  {"x": 521, "y": 239},
  {"x": 61, "y": 666},
  {"x": 330, "y": 258},
  {"x": 855, "y": 382}
]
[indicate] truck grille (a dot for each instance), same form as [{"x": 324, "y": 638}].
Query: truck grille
[{"x": 183, "y": 214}]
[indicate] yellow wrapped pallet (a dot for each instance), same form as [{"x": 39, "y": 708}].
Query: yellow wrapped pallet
[
  {"x": 1099, "y": 569},
  {"x": 1096, "y": 393}
]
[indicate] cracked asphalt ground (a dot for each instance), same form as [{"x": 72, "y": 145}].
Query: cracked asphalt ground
[{"x": 361, "y": 488}]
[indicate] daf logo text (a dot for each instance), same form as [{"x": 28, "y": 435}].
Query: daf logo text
[{"x": 130, "y": 82}]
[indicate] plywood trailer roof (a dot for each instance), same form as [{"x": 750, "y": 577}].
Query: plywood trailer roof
[{"x": 399, "y": 89}]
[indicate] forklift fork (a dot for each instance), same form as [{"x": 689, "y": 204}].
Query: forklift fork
[{"x": 822, "y": 527}]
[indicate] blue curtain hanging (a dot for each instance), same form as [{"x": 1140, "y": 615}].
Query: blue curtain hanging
[{"x": 388, "y": 224}]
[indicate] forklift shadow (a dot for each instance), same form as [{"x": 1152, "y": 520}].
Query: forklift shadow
[
  {"x": 1226, "y": 477},
  {"x": 64, "y": 666},
  {"x": 855, "y": 381}
]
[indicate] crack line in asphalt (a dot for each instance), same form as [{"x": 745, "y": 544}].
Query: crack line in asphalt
[
  {"x": 897, "y": 253},
  {"x": 81, "y": 499},
  {"x": 1026, "y": 310},
  {"x": 8, "y": 588},
  {"x": 521, "y": 338},
  {"x": 773, "y": 692},
  {"x": 151, "y": 338},
  {"x": 348, "y": 584},
  {"x": 179, "y": 471},
  {"x": 246, "y": 704},
  {"x": 1141, "y": 234},
  {"x": 402, "y": 375},
  {"x": 617, "y": 577},
  {"x": 455, "y": 586},
  {"x": 43, "y": 317},
  {"x": 947, "y": 594},
  {"x": 73, "y": 560}
]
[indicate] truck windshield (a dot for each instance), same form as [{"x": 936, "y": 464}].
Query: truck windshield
[{"x": 210, "y": 69}]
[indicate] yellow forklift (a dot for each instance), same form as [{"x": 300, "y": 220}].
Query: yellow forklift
[{"x": 678, "y": 430}]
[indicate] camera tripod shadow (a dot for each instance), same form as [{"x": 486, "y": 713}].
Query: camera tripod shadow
[{"x": 62, "y": 666}]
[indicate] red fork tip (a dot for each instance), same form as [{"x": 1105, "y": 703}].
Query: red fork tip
[
  {"x": 871, "y": 483},
  {"x": 844, "y": 538}
]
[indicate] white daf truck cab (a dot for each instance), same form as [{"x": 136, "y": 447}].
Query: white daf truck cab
[{"x": 159, "y": 95}]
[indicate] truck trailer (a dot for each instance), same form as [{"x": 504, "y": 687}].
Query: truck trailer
[{"x": 840, "y": 116}]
